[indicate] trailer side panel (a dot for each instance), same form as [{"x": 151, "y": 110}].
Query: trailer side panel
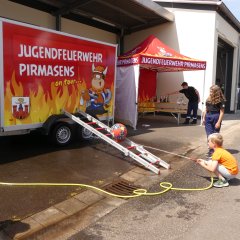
[{"x": 45, "y": 71}]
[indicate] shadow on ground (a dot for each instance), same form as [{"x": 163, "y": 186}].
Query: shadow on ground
[
  {"x": 14, "y": 148},
  {"x": 233, "y": 151},
  {"x": 12, "y": 228},
  {"x": 232, "y": 182}
]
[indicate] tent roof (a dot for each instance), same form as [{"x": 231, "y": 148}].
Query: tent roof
[{"x": 155, "y": 55}]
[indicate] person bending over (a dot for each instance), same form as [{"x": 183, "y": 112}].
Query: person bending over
[{"x": 193, "y": 97}]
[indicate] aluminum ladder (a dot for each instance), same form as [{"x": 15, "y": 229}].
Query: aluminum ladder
[{"x": 143, "y": 156}]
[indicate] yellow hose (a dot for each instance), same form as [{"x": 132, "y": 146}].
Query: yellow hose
[{"x": 166, "y": 186}]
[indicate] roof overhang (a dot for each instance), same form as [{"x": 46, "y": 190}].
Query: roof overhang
[
  {"x": 123, "y": 16},
  {"x": 212, "y": 5}
]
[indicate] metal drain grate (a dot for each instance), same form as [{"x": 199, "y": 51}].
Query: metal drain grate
[{"x": 121, "y": 187}]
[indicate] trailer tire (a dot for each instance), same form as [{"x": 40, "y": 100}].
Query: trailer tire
[
  {"x": 86, "y": 134},
  {"x": 62, "y": 134}
]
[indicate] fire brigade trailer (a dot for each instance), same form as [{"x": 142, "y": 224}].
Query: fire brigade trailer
[{"x": 43, "y": 72}]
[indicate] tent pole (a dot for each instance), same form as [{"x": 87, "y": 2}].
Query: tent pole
[
  {"x": 204, "y": 79},
  {"x": 136, "y": 102}
]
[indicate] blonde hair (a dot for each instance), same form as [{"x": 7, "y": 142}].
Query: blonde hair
[
  {"x": 216, "y": 138},
  {"x": 216, "y": 95}
]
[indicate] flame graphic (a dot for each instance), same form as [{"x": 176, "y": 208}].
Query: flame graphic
[
  {"x": 145, "y": 103},
  {"x": 44, "y": 104}
]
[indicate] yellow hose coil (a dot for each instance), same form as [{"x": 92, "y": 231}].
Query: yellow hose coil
[{"x": 166, "y": 186}]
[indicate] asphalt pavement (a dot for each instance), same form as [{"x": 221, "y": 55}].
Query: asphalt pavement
[
  {"x": 179, "y": 215},
  {"x": 31, "y": 159}
]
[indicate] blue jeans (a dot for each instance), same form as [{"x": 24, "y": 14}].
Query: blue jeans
[
  {"x": 192, "y": 106},
  {"x": 210, "y": 122}
]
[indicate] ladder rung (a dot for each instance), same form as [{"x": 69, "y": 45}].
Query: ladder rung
[
  {"x": 91, "y": 123},
  {"x": 131, "y": 147},
  {"x": 144, "y": 157},
  {"x": 99, "y": 128}
]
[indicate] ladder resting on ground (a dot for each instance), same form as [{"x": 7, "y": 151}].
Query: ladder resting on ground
[{"x": 141, "y": 155}]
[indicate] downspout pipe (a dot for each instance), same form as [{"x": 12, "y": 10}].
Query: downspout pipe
[
  {"x": 58, "y": 22},
  {"x": 121, "y": 42}
]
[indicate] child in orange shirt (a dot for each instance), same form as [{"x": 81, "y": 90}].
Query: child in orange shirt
[{"x": 223, "y": 163}]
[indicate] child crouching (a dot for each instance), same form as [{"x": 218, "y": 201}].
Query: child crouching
[{"x": 223, "y": 163}]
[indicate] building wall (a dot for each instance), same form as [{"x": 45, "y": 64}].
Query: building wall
[
  {"x": 186, "y": 35},
  {"x": 87, "y": 31},
  {"x": 25, "y": 14},
  {"x": 192, "y": 34},
  {"x": 225, "y": 31}
]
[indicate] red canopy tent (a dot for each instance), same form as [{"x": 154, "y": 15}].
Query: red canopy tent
[
  {"x": 155, "y": 55},
  {"x": 141, "y": 64}
]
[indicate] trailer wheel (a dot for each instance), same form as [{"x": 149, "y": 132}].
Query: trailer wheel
[
  {"x": 62, "y": 134},
  {"x": 86, "y": 134}
]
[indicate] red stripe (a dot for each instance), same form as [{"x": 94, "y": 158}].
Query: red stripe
[
  {"x": 131, "y": 147},
  {"x": 99, "y": 128},
  {"x": 91, "y": 123}
]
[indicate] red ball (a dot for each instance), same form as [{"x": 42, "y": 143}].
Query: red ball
[{"x": 119, "y": 132}]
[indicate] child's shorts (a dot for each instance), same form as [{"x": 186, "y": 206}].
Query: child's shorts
[{"x": 224, "y": 172}]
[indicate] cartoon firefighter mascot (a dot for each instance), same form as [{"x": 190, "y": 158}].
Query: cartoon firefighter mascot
[{"x": 97, "y": 96}]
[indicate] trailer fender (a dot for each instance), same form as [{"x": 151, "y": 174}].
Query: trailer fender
[{"x": 53, "y": 120}]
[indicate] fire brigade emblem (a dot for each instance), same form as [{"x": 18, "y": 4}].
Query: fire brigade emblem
[{"x": 20, "y": 107}]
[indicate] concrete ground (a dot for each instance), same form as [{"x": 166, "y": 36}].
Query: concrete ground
[{"x": 92, "y": 163}]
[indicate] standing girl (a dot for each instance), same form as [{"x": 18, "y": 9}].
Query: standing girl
[{"x": 213, "y": 115}]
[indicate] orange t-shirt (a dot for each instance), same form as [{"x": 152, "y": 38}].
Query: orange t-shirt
[{"x": 226, "y": 159}]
